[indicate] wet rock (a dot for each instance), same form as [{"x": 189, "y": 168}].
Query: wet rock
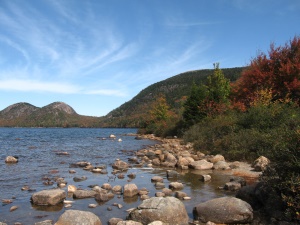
[
  {"x": 201, "y": 165},
  {"x": 79, "y": 179},
  {"x": 106, "y": 186},
  {"x": 170, "y": 160},
  {"x": 175, "y": 185},
  {"x": 205, "y": 178},
  {"x": 159, "y": 185},
  {"x": 131, "y": 175},
  {"x": 96, "y": 170},
  {"x": 76, "y": 217},
  {"x": 226, "y": 210},
  {"x": 92, "y": 205},
  {"x": 101, "y": 197},
  {"x": 130, "y": 190},
  {"x": 71, "y": 188},
  {"x": 143, "y": 191},
  {"x": 167, "y": 191},
  {"x": 72, "y": 171},
  {"x": 261, "y": 163},
  {"x": 172, "y": 174},
  {"x": 7, "y": 201},
  {"x": 120, "y": 165},
  {"x": 82, "y": 164},
  {"x": 144, "y": 197},
  {"x": 162, "y": 209},
  {"x": 48, "y": 197},
  {"x": 232, "y": 186},
  {"x": 121, "y": 176},
  {"x": 84, "y": 194},
  {"x": 180, "y": 194},
  {"x": 129, "y": 222},
  {"x": 240, "y": 180},
  {"x": 114, "y": 221},
  {"x": 11, "y": 159},
  {"x": 45, "y": 222},
  {"x": 156, "y": 162},
  {"x": 157, "y": 179},
  {"x": 13, "y": 208},
  {"x": 159, "y": 194},
  {"x": 216, "y": 158},
  {"x": 117, "y": 189},
  {"x": 221, "y": 165}
]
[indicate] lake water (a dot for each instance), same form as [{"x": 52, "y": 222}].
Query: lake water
[{"x": 37, "y": 151}]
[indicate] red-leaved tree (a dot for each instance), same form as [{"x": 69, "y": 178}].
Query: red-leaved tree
[{"x": 279, "y": 71}]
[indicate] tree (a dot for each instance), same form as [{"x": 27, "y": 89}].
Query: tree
[
  {"x": 194, "y": 105},
  {"x": 207, "y": 100},
  {"x": 278, "y": 71}
]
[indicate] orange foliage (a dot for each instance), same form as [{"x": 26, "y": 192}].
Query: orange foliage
[{"x": 279, "y": 72}]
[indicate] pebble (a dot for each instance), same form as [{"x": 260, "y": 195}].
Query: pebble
[
  {"x": 68, "y": 205},
  {"x": 13, "y": 208},
  {"x": 92, "y": 205}
]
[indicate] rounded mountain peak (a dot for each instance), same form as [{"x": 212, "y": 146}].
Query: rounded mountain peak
[{"x": 62, "y": 107}]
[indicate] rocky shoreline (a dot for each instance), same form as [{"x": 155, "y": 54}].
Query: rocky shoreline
[{"x": 161, "y": 206}]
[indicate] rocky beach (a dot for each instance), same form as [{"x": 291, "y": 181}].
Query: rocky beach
[{"x": 150, "y": 186}]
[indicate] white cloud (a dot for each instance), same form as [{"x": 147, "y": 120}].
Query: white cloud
[
  {"x": 109, "y": 92},
  {"x": 37, "y": 86}
]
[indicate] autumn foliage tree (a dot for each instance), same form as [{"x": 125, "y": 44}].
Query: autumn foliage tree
[{"x": 278, "y": 71}]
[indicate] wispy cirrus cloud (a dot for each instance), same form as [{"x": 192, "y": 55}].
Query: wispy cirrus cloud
[{"x": 37, "y": 86}]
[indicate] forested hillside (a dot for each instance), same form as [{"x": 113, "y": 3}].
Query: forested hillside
[{"x": 174, "y": 89}]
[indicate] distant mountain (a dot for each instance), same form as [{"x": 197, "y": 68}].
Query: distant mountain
[
  {"x": 175, "y": 89},
  {"x": 130, "y": 114},
  {"x": 57, "y": 114}
]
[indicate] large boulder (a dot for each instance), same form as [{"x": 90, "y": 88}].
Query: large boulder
[
  {"x": 261, "y": 163},
  {"x": 162, "y": 209},
  {"x": 77, "y": 217},
  {"x": 201, "y": 165},
  {"x": 228, "y": 210},
  {"x": 48, "y": 197},
  {"x": 120, "y": 165}
]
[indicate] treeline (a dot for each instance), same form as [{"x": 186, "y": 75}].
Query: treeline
[{"x": 256, "y": 114}]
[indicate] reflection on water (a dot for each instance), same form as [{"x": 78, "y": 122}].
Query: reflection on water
[{"x": 38, "y": 161}]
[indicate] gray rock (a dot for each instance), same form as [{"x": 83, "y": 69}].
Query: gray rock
[
  {"x": 205, "y": 178},
  {"x": 261, "y": 163},
  {"x": 157, "y": 179},
  {"x": 45, "y": 222},
  {"x": 228, "y": 210},
  {"x": 175, "y": 185},
  {"x": 162, "y": 209},
  {"x": 120, "y": 165},
  {"x": 84, "y": 194},
  {"x": 48, "y": 197},
  {"x": 172, "y": 174},
  {"x": 102, "y": 197},
  {"x": 130, "y": 190},
  {"x": 232, "y": 186},
  {"x": 77, "y": 217},
  {"x": 114, "y": 221},
  {"x": 79, "y": 179},
  {"x": 201, "y": 165},
  {"x": 11, "y": 159},
  {"x": 221, "y": 165}
]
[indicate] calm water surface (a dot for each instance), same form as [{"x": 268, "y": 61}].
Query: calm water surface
[{"x": 37, "y": 148}]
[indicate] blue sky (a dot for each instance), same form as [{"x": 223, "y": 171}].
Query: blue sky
[{"x": 98, "y": 54}]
